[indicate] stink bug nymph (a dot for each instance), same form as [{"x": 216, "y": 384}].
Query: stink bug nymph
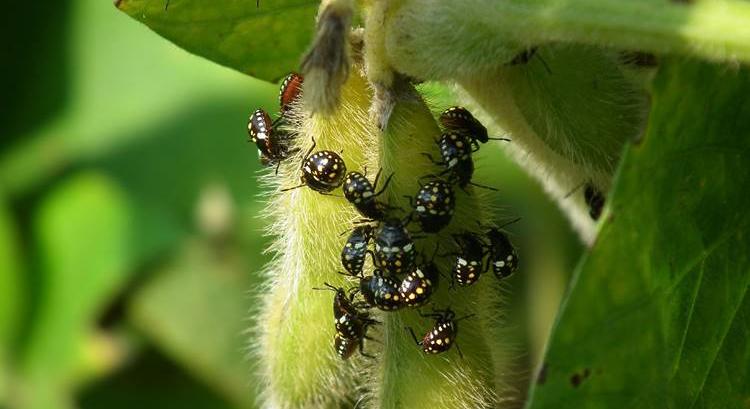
[
  {"x": 394, "y": 248},
  {"x": 503, "y": 256},
  {"x": 322, "y": 171},
  {"x": 434, "y": 205},
  {"x": 441, "y": 337},
  {"x": 270, "y": 142},
  {"x": 459, "y": 119},
  {"x": 290, "y": 90},
  {"x": 345, "y": 347},
  {"x": 381, "y": 291},
  {"x": 419, "y": 285},
  {"x": 455, "y": 152},
  {"x": 361, "y": 193},
  {"x": 355, "y": 250},
  {"x": 469, "y": 265}
]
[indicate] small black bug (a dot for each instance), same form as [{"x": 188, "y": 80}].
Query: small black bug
[
  {"x": 469, "y": 261},
  {"x": 442, "y": 336},
  {"x": 351, "y": 324},
  {"x": 434, "y": 205},
  {"x": 361, "y": 193},
  {"x": 289, "y": 91},
  {"x": 503, "y": 256},
  {"x": 381, "y": 291},
  {"x": 345, "y": 347},
  {"x": 459, "y": 119},
  {"x": 273, "y": 145},
  {"x": 394, "y": 248},
  {"x": 348, "y": 319},
  {"x": 455, "y": 151},
  {"x": 322, "y": 171},
  {"x": 419, "y": 285},
  {"x": 355, "y": 250},
  {"x": 594, "y": 199}
]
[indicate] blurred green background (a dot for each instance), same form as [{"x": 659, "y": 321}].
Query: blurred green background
[{"x": 130, "y": 236}]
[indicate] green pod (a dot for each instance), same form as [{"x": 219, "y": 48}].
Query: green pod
[{"x": 295, "y": 328}]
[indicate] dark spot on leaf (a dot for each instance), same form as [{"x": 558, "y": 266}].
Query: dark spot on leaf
[
  {"x": 576, "y": 379},
  {"x": 117, "y": 3}
]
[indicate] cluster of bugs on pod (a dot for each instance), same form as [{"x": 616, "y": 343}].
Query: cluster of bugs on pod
[{"x": 397, "y": 281}]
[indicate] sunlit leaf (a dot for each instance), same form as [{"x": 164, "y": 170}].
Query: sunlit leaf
[
  {"x": 85, "y": 251},
  {"x": 265, "y": 42}
]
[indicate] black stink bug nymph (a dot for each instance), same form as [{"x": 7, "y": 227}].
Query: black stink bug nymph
[
  {"x": 459, "y": 119},
  {"x": 322, "y": 171},
  {"x": 381, "y": 291},
  {"x": 345, "y": 347},
  {"x": 503, "y": 256},
  {"x": 355, "y": 250},
  {"x": 442, "y": 336},
  {"x": 269, "y": 142},
  {"x": 394, "y": 248},
  {"x": 417, "y": 287},
  {"x": 361, "y": 193},
  {"x": 455, "y": 152},
  {"x": 434, "y": 205},
  {"x": 351, "y": 324},
  {"x": 469, "y": 261}
]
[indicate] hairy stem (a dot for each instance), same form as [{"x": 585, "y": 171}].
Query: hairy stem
[{"x": 432, "y": 39}]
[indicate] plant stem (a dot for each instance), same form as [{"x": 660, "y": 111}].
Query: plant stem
[{"x": 715, "y": 30}]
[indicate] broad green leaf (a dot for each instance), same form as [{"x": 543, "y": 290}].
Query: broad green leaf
[
  {"x": 85, "y": 249},
  {"x": 196, "y": 310},
  {"x": 265, "y": 42},
  {"x": 657, "y": 316}
]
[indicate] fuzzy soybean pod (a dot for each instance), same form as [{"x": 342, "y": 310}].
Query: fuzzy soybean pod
[
  {"x": 295, "y": 350},
  {"x": 403, "y": 375},
  {"x": 568, "y": 108}
]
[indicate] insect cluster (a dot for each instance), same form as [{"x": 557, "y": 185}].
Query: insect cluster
[{"x": 401, "y": 276}]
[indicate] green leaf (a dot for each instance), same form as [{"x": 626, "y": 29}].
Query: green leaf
[
  {"x": 85, "y": 248},
  {"x": 265, "y": 42},
  {"x": 196, "y": 310},
  {"x": 11, "y": 291},
  {"x": 657, "y": 314}
]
